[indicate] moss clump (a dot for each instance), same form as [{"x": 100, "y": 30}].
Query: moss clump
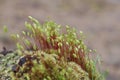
[
  {"x": 48, "y": 54},
  {"x": 42, "y": 66}
]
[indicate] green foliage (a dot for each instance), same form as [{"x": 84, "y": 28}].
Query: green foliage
[{"x": 49, "y": 54}]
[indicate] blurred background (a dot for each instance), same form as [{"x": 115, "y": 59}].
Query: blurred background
[{"x": 98, "y": 19}]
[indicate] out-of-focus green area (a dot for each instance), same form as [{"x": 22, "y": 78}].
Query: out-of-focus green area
[{"x": 98, "y": 19}]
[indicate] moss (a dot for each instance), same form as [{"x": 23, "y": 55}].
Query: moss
[
  {"x": 48, "y": 66},
  {"x": 44, "y": 53}
]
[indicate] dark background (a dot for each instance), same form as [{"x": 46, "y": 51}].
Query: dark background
[{"x": 98, "y": 19}]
